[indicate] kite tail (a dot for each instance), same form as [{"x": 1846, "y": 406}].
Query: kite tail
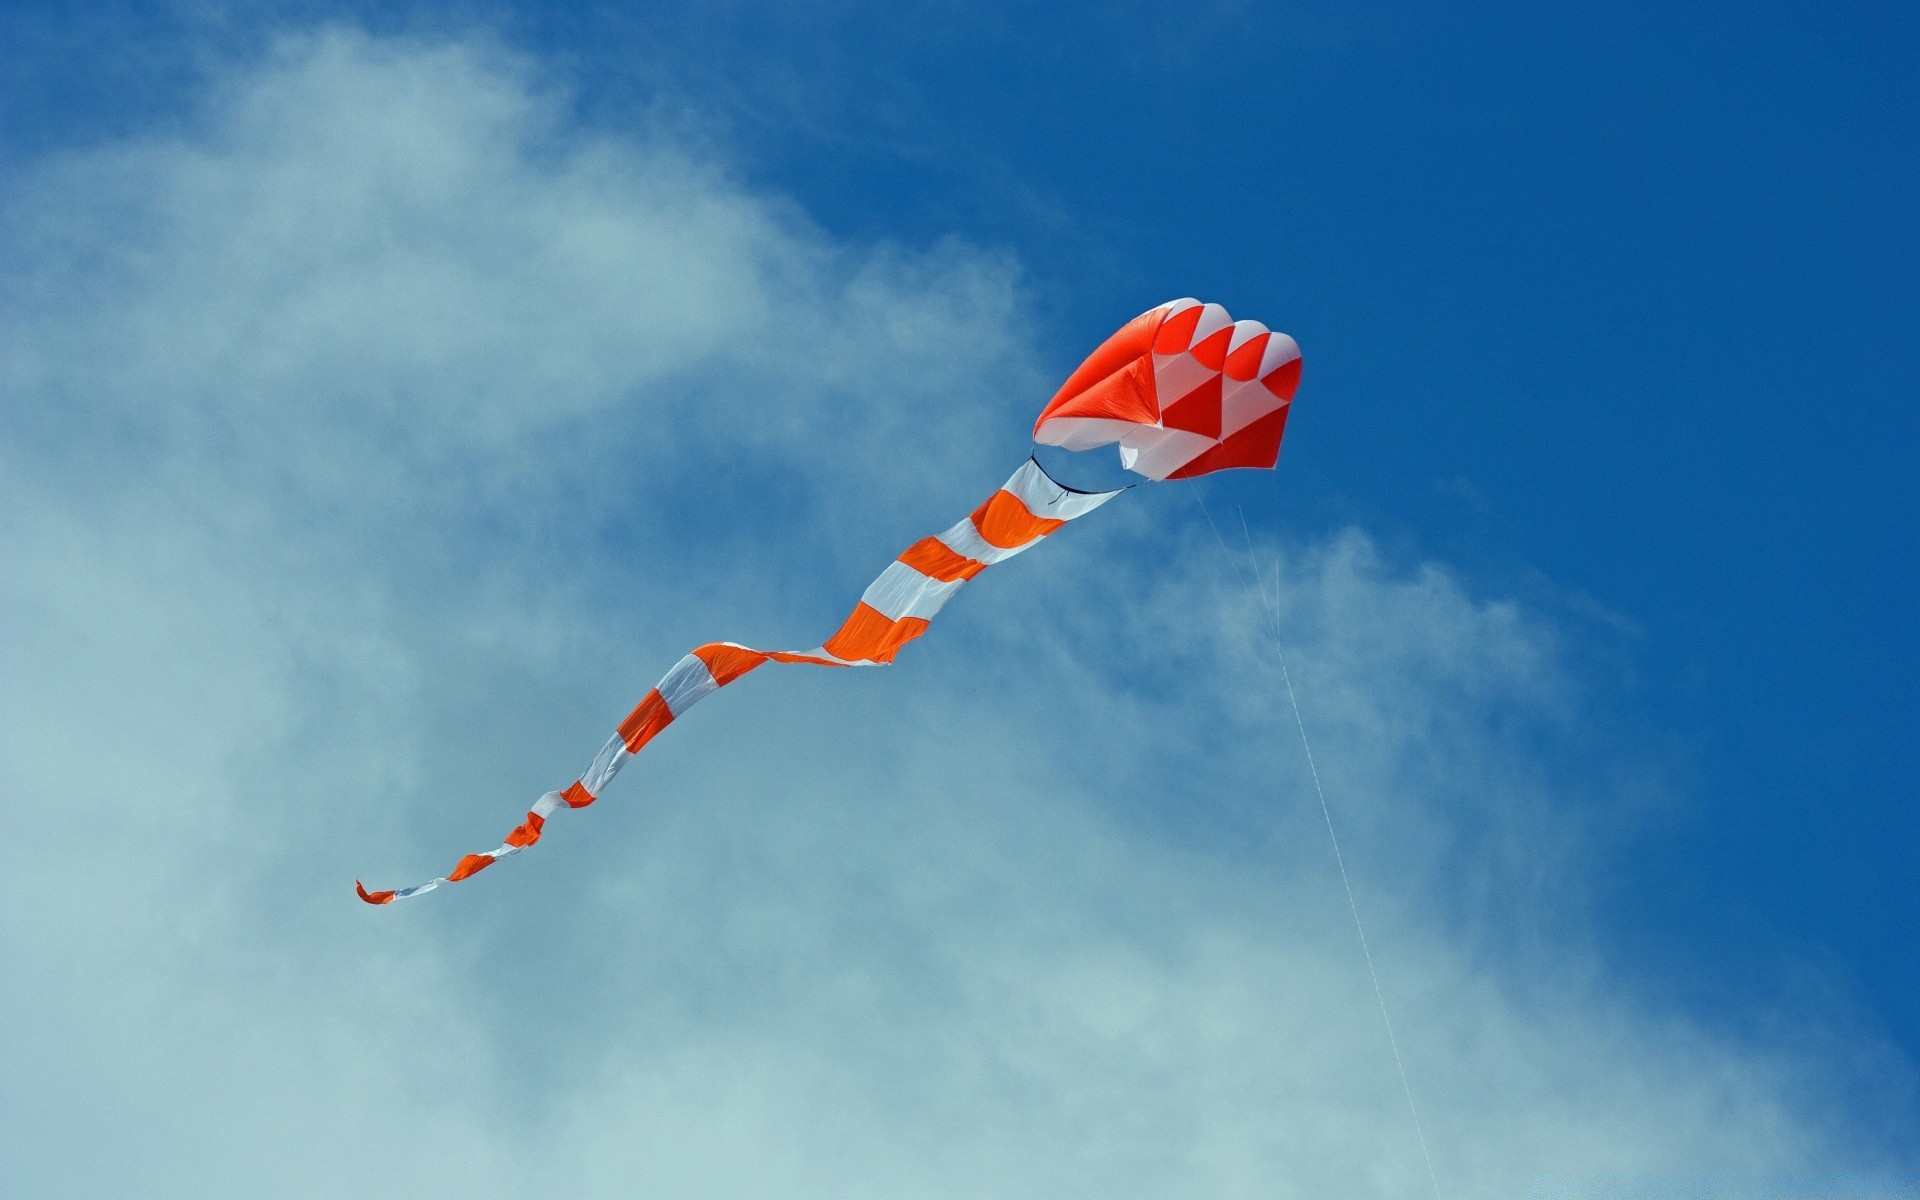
[{"x": 895, "y": 609}]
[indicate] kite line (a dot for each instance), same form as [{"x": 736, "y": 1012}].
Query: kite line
[{"x": 1271, "y": 604}]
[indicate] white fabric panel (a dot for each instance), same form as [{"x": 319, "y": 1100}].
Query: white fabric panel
[
  {"x": 1158, "y": 453},
  {"x": 1082, "y": 433},
  {"x": 833, "y": 660},
  {"x": 1142, "y": 439},
  {"x": 1241, "y": 404},
  {"x": 1174, "y": 375},
  {"x": 1281, "y": 349},
  {"x": 963, "y": 539},
  {"x": 1244, "y": 332},
  {"x": 1213, "y": 319},
  {"x": 902, "y": 591},
  {"x": 1045, "y": 498},
  {"x": 686, "y": 684},
  {"x": 606, "y": 764},
  {"x": 547, "y": 805}
]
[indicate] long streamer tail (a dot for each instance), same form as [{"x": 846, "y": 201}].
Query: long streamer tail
[{"x": 895, "y": 609}]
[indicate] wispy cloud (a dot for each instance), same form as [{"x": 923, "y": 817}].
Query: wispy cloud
[{"x": 379, "y": 434}]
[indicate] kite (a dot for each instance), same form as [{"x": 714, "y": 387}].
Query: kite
[{"x": 1183, "y": 390}]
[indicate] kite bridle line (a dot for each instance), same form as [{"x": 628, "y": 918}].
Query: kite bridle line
[
  {"x": 1033, "y": 456},
  {"x": 1272, "y": 606}
]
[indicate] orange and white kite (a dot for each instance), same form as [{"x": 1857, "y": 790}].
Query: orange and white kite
[{"x": 1183, "y": 390}]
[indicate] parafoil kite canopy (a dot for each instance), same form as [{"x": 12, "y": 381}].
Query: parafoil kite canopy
[{"x": 1184, "y": 389}]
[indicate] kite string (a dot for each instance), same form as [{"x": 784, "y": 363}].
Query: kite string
[{"x": 1272, "y": 607}]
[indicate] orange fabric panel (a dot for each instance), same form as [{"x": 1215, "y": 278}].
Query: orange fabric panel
[
  {"x": 1128, "y": 394},
  {"x": 372, "y": 897},
  {"x": 529, "y": 831},
  {"x": 1198, "y": 411},
  {"x": 727, "y": 663},
  {"x": 932, "y": 558},
  {"x": 472, "y": 864},
  {"x": 1005, "y": 522},
  {"x": 1243, "y": 364},
  {"x": 1284, "y": 380},
  {"x": 645, "y": 722},
  {"x": 1124, "y": 349},
  {"x": 1211, "y": 351},
  {"x": 869, "y": 635},
  {"x": 788, "y": 656},
  {"x": 1176, "y": 333},
  {"x": 1258, "y": 445},
  {"x": 577, "y": 796}
]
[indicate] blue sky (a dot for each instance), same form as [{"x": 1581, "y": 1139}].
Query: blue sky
[{"x": 1598, "y": 483}]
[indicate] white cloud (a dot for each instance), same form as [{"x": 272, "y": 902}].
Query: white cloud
[{"x": 382, "y": 435}]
